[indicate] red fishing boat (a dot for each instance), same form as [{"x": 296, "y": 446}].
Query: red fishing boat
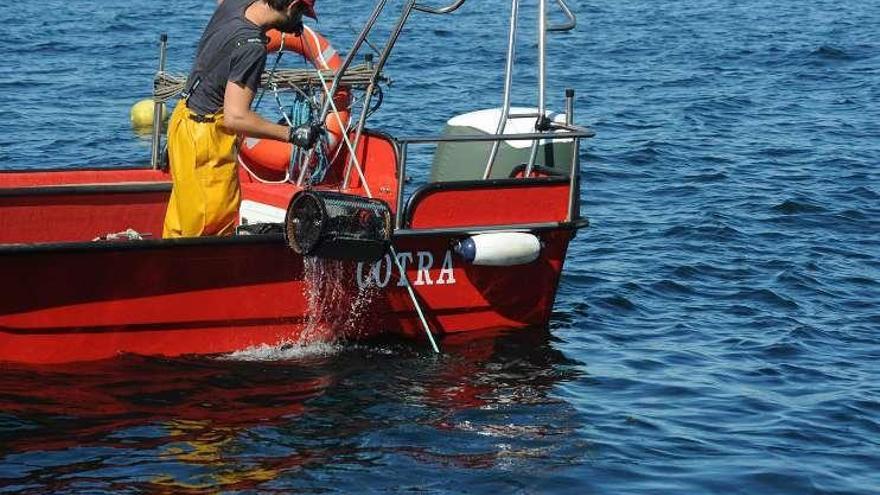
[{"x": 332, "y": 242}]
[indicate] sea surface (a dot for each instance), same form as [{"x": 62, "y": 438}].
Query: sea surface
[{"x": 717, "y": 328}]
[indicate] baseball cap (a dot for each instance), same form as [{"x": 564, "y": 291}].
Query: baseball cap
[{"x": 309, "y": 8}]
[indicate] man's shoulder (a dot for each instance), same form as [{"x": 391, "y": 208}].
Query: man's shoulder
[
  {"x": 247, "y": 42},
  {"x": 232, "y": 24},
  {"x": 246, "y": 38}
]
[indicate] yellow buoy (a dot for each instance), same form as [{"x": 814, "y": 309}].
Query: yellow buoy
[{"x": 142, "y": 114}]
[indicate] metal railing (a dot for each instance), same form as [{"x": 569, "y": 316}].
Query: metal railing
[
  {"x": 543, "y": 29},
  {"x": 561, "y": 131},
  {"x": 546, "y": 130},
  {"x": 556, "y": 130},
  {"x": 414, "y": 5},
  {"x": 570, "y": 24}
]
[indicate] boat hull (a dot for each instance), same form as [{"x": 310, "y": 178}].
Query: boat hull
[
  {"x": 75, "y": 302},
  {"x": 71, "y": 295}
]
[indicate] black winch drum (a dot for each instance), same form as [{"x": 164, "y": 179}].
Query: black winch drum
[{"x": 339, "y": 226}]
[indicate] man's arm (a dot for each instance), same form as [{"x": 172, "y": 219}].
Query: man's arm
[{"x": 239, "y": 118}]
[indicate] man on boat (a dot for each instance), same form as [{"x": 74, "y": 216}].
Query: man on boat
[{"x": 216, "y": 106}]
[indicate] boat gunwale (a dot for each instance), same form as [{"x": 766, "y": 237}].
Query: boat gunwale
[
  {"x": 257, "y": 239},
  {"x": 62, "y": 168},
  {"x": 85, "y": 189}
]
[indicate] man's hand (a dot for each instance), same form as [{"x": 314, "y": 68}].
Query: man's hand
[{"x": 305, "y": 136}]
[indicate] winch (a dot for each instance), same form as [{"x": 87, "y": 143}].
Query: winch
[{"x": 335, "y": 225}]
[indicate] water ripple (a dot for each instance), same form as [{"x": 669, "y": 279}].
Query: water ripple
[{"x": 715, "y": 329}]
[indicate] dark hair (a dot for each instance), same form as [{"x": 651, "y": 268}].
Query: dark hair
[{"x": 279, "y": 4}]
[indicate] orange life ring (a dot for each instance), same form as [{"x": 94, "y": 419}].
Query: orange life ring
[{"x": 269, "y": 159}]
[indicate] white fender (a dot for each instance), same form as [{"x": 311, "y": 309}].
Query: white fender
[{"x": 499, "y": 249}]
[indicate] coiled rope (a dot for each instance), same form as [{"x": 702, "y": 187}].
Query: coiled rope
[{"x": 167, "y": 86}]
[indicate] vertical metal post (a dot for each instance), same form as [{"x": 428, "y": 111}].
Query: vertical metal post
[
  {"x": 401, "y": 182},
  {"x": 542, "y": 78},
  {"x": 542, "y": 57},
  {"x": 574, "y": 174},
  {"x": 574, "y": 190},
  {"x": 157, "y": 109},
  {"x": 569, "y": 106},
  {"x": 508, "y": 81}
]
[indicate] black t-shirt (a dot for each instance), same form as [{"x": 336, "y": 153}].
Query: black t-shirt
[{"x": 232, "y": 48}]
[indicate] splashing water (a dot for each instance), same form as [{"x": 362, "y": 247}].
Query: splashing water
[
  {"x": 335, "y": 306},
  {"x": 286, "y": 351},
  {"x": 326, "y": 298},
  {"x": 336, "y": 309}
]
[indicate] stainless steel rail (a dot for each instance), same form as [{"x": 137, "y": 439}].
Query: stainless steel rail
[
  {"x": 443, "y": 10},
  {"x": 401, "y": 182},
  {"x": 568, "y": 25},
  {"x": 573, "y": 132},
  {"x": 542, "y": 80},
  {"x": 574, "y": 206},
  {"x": 408, "y": 8},
  {"x": 156, "y": 142},
  {"x": 576, "y": 133},
  {"x": 349, "y": 59},
  {"x": 368, "y": 95},
  {"x": 482, "y": 229},
  {"x": 508, "y": 83}
]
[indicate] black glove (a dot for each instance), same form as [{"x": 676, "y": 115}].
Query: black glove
[{"x": 304, "y": 135}]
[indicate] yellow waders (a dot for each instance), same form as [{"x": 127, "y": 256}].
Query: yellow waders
[{"x": 205, "y": 195}]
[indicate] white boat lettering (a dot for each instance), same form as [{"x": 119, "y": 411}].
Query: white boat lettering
[
  {"x": 426, "y": 262},
  {"x": 378, "y": 274},
  {"x": 403, "y": 259},
  {"x": 447, "y": 275}
]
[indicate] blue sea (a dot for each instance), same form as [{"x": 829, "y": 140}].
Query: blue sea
[{"x": 717, "y": 327}]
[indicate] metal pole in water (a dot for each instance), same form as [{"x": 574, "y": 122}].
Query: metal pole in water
[
  {"x": 157, "y": 109},
  {"x": 412, "y": 296},
  {"x": 398, "y": 222}
]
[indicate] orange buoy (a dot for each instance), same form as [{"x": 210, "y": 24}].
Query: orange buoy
[{"x": 269, "y": 159}]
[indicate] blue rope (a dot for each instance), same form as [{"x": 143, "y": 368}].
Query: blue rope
[
  {"x": 323, "y": 164},
  {"x": 300, "y": 111}
]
